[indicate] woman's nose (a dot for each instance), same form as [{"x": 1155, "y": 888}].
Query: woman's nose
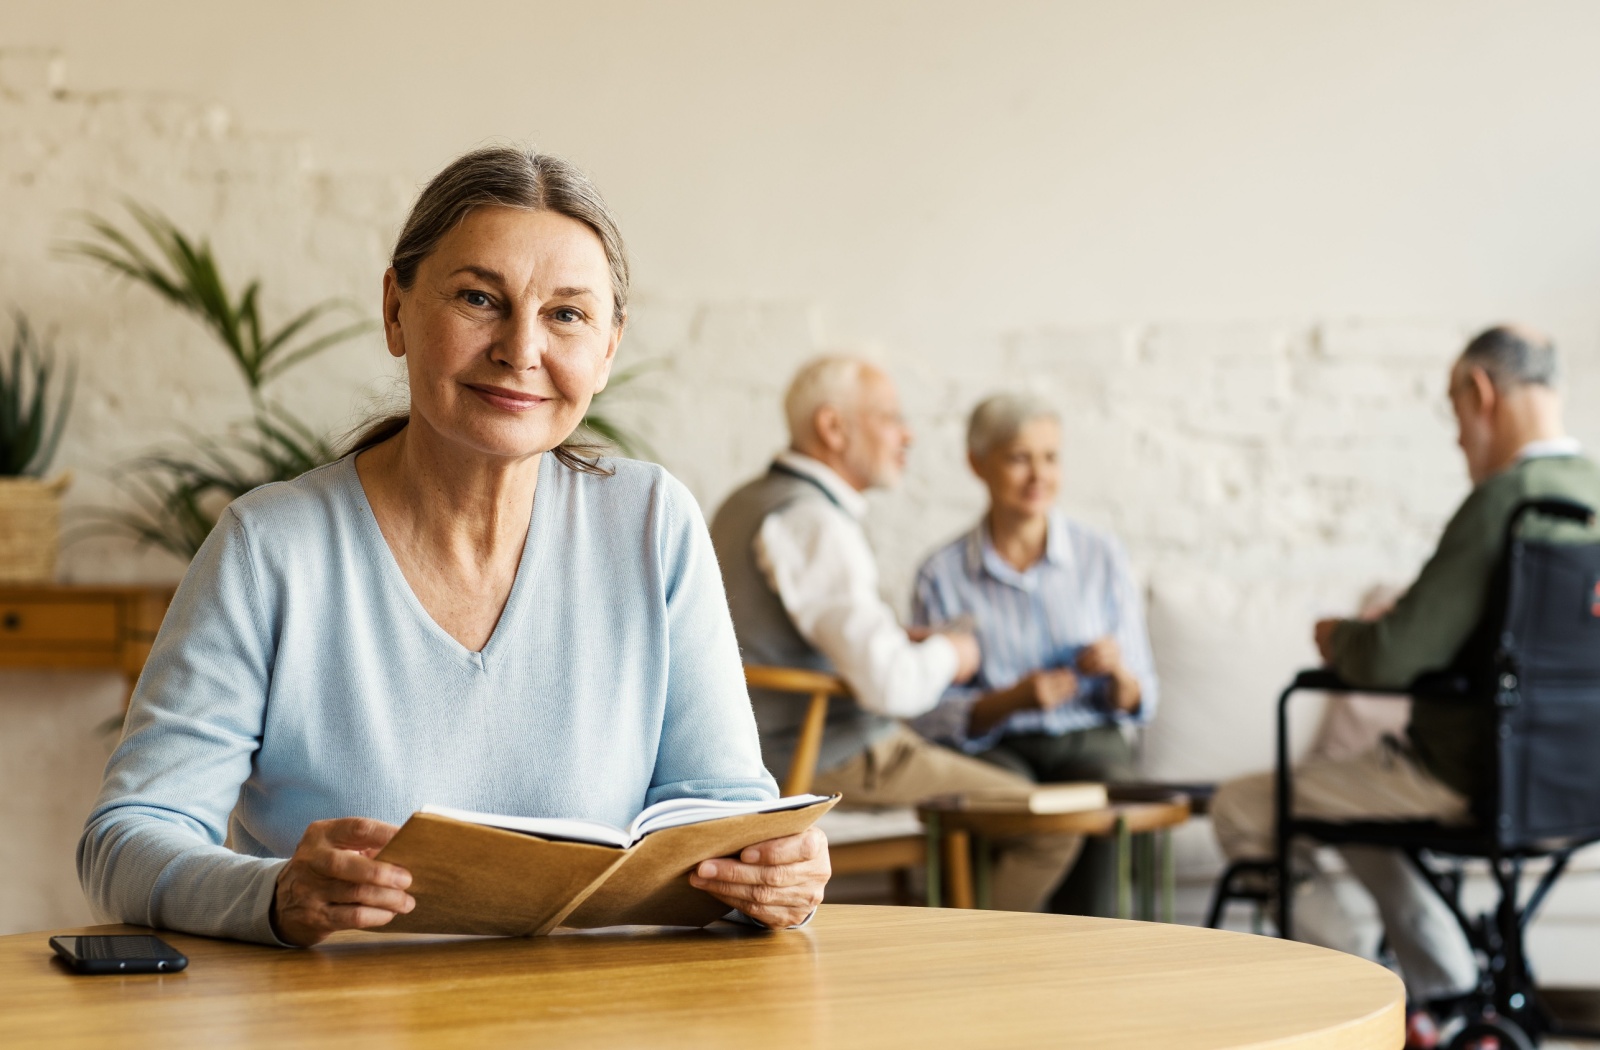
[{"x": 524, "y": 343}]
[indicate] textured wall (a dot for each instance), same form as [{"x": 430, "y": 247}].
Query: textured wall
[{"x": 1262, "y": 471}]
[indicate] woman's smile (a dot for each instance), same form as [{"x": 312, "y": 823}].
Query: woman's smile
[{"x": 505, "y": 399}]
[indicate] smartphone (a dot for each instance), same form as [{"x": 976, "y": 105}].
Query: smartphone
[{"x": 119, "y": 953}]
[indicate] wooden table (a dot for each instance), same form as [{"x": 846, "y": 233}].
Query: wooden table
[
  {"x": 857, "y": 977},
  {"x": 1141, "y": 830},
  {"x": 65, "y": 626}
]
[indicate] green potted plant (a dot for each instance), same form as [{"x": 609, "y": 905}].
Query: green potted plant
[
  {"x": 34, "y": 403},
  {"x": 179, "y": 492}
]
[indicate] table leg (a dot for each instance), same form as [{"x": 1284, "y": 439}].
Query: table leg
[
  {"x": 1169, "y": 878},
  {"x": 983, "y": 870},
  {"x": 958, "y": 868},
  {"x": 1145, "y": 873},
  {"x": 1124, "y": 874},
  {"x": 933, "y": 891}
]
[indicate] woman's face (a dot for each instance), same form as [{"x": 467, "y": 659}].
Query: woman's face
[
  {"x": 507, "y": 330},
  {"x": 1023, "y": 475}
]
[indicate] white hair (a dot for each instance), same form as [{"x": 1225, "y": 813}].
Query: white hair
[
  {"x": 831, "y": 380},
  {"x": 1000, "y": 418}
]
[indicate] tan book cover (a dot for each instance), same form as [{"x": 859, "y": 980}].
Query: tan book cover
[{"x": 474, "y": 878}]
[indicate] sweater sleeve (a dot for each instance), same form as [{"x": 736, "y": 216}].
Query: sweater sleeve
[
  {"x": 1426, "y": 628},
  {"x": 709, "y": 747},
  {"x": 152, "y": 850}
]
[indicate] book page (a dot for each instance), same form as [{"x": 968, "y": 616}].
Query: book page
[
  {"x": 568, "y": 828},
  {"x": 674, "y": 812}
]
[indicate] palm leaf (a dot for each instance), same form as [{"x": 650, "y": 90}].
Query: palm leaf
[{"x": 184, "y": 271}]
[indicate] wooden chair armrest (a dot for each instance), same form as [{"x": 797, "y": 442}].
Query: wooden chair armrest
[
  {"x": 817, "y": 687},
  {"x": 794, "y": 680}
]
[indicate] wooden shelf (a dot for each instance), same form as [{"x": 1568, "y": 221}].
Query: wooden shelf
[{"x": 66, "y": 626}]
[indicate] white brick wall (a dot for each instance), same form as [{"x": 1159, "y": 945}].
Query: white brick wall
[{"x": 1261, "y": 472}]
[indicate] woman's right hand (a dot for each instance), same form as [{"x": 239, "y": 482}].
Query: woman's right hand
[
  {"x": 1039, "y": 691},
  {"x": 333, "y": 883},
  {"x": 1048, "y": 689}
]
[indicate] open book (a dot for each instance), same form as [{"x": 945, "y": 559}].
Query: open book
[{"x": 483, "y": 873}]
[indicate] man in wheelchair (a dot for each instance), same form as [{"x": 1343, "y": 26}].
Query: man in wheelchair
[{"x": 1502, "y": 390}]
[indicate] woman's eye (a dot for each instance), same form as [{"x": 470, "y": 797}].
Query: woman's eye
[
  {"x": 567, "y": 315},
  {"x": 476, "y": 298}
]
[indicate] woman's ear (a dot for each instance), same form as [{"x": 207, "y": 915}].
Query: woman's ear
[{"x": 393, "y": 335}]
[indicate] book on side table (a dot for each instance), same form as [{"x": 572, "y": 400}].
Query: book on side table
[
  {"x": 1076, "y": 797},
  {"x": 481, "y": 873}
]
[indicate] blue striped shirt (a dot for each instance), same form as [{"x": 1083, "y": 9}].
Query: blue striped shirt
[{"x": 1079, "y": 592}]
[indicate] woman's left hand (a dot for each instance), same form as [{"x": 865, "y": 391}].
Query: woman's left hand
[{"x": 778, "y": 882}]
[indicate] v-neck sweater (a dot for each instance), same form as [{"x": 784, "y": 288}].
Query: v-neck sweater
[{"x": 297, "y": 678}]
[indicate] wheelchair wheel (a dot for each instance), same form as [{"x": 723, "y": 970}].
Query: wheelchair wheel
[{"x": 1492, "y": 1033}]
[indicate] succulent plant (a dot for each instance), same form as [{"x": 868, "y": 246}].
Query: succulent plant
[{"x": 34, "y": 403}]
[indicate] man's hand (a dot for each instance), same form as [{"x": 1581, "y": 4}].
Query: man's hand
[
  {"x": 777, "y": 882},
  {"x": 332, "y": 883},
  {"x": 1323, "y": 634},
  {"x": 968, "y": 655}
]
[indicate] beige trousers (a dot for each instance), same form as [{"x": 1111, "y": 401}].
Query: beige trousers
[
  {"x": 1383, "y": 783},
  {"x": 903, "y": 769}
]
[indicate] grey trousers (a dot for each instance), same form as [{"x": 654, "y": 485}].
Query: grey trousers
[
  {"x": 1101, "y": 753},
  {"x": 903, "y": 769},
  {"x": 1384, "y": 783}
]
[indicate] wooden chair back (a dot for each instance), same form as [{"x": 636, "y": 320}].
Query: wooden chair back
[{"x": 818, "y": 687}]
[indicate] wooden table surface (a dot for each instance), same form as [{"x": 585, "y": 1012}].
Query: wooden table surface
[{"x": 857, "y": 977}]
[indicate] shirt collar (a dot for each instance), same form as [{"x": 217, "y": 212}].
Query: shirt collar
[
  {"x": 982, "y": 557},
  {"x": 1562, "y": 446},
  {"x": 852, "y": 502}
]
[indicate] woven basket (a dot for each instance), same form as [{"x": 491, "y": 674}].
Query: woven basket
[{"x": 30, "y": 528}]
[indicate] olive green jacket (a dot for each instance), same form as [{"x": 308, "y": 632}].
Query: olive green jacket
[{"x": 1428, "y": 626}]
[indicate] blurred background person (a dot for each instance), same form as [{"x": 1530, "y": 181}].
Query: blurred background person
[
  {"x": 1510, "y": 430},
  {"x": 1066, "y": 659},
  {"x": 802, "y": 583}
]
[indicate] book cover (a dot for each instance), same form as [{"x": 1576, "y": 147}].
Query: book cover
[{"x": 474, "y": 878}]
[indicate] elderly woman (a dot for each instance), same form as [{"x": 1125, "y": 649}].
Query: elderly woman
[
  {"x": 1066, "y": 661},
  {"x": 465, "y": 610}
]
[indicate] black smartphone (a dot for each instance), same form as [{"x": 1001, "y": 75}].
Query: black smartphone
[{"x": 119, "y": 953}]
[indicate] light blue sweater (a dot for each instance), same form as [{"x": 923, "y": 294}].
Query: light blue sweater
[{"x": 297, "y": 678}]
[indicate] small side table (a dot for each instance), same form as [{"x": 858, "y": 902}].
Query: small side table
[{"x": 1142, "y": 830}]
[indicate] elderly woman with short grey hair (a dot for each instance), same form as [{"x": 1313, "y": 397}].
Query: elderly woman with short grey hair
[
  {"x": 468, "y": 609},
  {"x": 1066, "y": 660}
]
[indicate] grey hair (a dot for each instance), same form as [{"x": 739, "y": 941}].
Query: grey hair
[
  {"x": 509, "y": 177},
  {"x": 1000, "y": 418},
  {"x": 505, "y": 177},
  {"x": 1514, "y": 356},
  {"x": 831, "y": 380}
]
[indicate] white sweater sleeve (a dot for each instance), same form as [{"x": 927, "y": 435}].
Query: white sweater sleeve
[{"x": 816, "y": 559}]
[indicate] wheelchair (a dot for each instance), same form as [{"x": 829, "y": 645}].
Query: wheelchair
[{"x": 1532, "y": 671}]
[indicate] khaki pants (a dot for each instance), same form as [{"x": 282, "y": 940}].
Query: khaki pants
[
  {"x": 903, "y": 769},
  {"x": 1384, "y": 783}
]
